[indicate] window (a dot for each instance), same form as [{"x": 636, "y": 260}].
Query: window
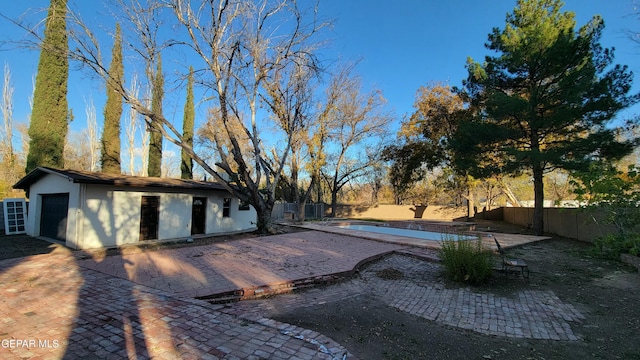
[
  {"x": 14, "y": 216},
  {"x": 243, "y": 206},
  {"x": 226, "y": 207}
]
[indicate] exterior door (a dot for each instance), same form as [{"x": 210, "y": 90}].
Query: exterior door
[
  {"x": 198, "y": 215},
  {"x": 53, "y": 216},
  {"x": 149, "y": 214}
]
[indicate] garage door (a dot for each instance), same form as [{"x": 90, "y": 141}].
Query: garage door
[{"x": 53, "y": 216}]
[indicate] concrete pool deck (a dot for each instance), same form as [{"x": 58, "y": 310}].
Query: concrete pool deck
[{"x": 75, "y": 305}]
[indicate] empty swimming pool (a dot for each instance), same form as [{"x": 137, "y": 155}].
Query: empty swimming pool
[{"x": 418, "y": 234}]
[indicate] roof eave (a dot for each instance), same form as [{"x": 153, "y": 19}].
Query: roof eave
[{"x": 35, "y": 175}]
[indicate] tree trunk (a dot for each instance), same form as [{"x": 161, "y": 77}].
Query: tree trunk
[
  {"x": 334, "y": 202},
  {"x": 538, "y": 207},
  {"x": 302, "y": 203},
  {"x": 470, "y": 204},
  {"x": 301, "y": 207},
  {"x": 263, "y": 218},
  {"x": 506, "y": 190}
]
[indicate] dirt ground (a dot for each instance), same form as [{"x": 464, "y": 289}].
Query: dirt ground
[
  {"x": 15, "y": 246},
  {"x": 606, "y": 292}
]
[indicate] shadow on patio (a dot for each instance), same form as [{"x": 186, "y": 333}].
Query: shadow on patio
[{"x": 63, "y": 308}]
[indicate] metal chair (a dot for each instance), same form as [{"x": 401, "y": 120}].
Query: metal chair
[{"x": 512, "y": 265}]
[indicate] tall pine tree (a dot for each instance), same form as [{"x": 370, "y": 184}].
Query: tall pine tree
[
  {"x": 545, "y": 101},
  {"x": 113, "y": 110},
  {"x": 186, "y": 165},
  {"x": 50, "y": 115},
  {"x": 155, "y": 139}
]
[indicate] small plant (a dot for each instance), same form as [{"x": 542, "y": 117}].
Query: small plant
[{"x": 465, "y": 260}]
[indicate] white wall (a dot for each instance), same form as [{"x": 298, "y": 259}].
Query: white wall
[
  {"x": 108, "y": 216},
  {"x": 238, "y": 220},
  {"x": 53, "y": 184},
  {"x": 175, "y": 216},
  {"x": 112, "y": 215}
]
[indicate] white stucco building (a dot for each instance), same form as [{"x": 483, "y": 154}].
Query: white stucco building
[{"x": 93, "y": 210}]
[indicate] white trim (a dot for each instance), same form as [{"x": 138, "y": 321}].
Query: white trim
[{"x": 19, "y": 217}]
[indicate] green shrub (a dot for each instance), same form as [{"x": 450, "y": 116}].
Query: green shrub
[
  {"x": 466, "y": 261},
  {"x": 612, "y": 245},
  {"x": 615, "y": 194}
]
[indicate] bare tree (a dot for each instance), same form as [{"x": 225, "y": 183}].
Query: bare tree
[
  {"x": 145, "y": 133},
  {"x": 242, "y": 52},
  {"x": 131, "y": 126},
  {"x": 355, "y": 129},
  {"x": 170, "y": 165},
  {"x": 77, "y": 150},
  {"x": 81, "y": 148},
  {"x": 12, "y": 168},
  {"x": 308, "y": 153},
  {"x": 290, "y": 100},
  {"x": 7, "y": 114},
  {"x": 213, "y": 141},
  {"x": 246, "y": 50},
  {"x": 93, "y": 135}
]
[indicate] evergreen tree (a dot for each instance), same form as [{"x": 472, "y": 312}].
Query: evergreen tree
[
  {"x": 50, "y": 115},
  {"x": 544, "y": 102},
  {"x": 186, "y": 165},
  {"x": 155, "y": 140},
  {"x": 113, "y": 110}
]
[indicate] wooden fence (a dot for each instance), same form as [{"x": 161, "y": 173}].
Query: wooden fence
[{"x": 574, "y": 223}]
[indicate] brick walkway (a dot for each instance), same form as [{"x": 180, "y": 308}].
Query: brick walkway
[
  {"x": 52, "y": 308},
  {"x": 533, "y": 314},
  {"x": 140, "y": 306}
]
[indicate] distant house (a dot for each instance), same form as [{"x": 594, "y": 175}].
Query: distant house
[{"x": 93, "y": 210}]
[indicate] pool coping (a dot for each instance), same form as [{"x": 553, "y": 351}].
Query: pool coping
[{"x": 506, "y": 240}]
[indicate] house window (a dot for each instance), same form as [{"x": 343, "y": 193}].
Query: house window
[
  {"x": 226, "y": 207},
  {"x": 243, "y": 206},
  {"x": 14, "y": 216}
]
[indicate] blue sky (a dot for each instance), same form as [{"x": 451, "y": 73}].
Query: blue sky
[
  {"x": 411, "y": 43},
  {"x": 401, "y": 45}
]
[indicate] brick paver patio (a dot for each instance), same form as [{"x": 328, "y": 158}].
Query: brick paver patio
[
  {"x": 51, "y": 308},
  {"x": 242, "y": 264},
  {"x": 142, "y": 305},
  {"x": 532, "y": 314}
]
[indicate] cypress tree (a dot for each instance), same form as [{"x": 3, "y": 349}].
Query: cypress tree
[
  {"x": 155, "y": 140},
  {"x": 50, "y": 115},
  {"x": 113, "y": 110},
  {"x": 186, "y": 166}
]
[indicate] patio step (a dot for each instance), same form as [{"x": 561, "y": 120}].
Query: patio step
[{"x": 257, "y": 292}]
